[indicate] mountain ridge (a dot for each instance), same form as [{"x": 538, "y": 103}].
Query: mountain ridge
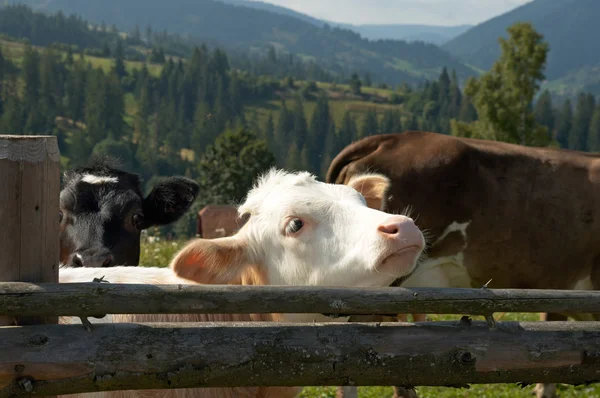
[{"x": 240, "y": 27}]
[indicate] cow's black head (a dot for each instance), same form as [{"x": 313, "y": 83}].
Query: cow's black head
[{"x": 103, "y": 211}]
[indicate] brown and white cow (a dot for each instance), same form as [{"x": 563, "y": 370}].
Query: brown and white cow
[
  {"x": 300, "y": 232},
  {"x": 521, "y": 217}
]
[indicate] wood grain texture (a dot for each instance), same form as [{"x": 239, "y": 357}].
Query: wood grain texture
[
  {"x": 62, "y": 359},
  {"x": 29, "y": 201},
  {"x": 107, "y": 298}
]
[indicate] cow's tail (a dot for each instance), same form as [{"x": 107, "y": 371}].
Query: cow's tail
[{"x": 338, "y": 169}]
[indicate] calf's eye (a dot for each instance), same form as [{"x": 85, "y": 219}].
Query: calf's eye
[
  {"x": 294, "y": 226},
  {"x": 137, "y": 220},
  {"x": 60, "y": 216}
]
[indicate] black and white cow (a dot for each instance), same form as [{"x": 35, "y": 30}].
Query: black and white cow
[{"x": 103, "y": 212}]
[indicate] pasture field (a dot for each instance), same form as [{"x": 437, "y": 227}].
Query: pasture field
[{"x": 159, "y": 253}]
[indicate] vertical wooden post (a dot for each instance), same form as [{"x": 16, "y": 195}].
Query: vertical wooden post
[{"x": 29, "y": 213}]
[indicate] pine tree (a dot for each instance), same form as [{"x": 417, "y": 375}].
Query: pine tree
[
  {"x": 370, "y": 124},
  {"x": 283, "y": 133},
  {"x": 270, "y": 133},
  {"x": 347, "y": 132},
  {"x": 593, "y": 143},
  {"x": 95, "y": 106},
  {"x": 503, "y": 96},
  {"x": 355, "y": 84},
  {"x": 35, "y": 123},
  {"x": 120, "y": 59},
  {"x": 114, "y": 106},
  {"x": 578, "y": 137},
  {"x": 444, "y": 87},
  {"x": 454, "y": 106},
  {"x": 543, "y": 110},
  {"x": 204, "y": 130},
  {"x": 31, "y": 78},
  {"x": 136, "y": 36},
  {"x": 4, "y": 66},
  {"x": 52, "y": 87},
  {"x": 413, "y": 123},
  {"x": 368, "y": 80},
  {"x": 391, "y": 122},
  {"x": 320, "y": 127},
  {"x": 332, "y": 147},
  {"x": 105, "y": 49},
  {"x": 12, "y": 118},
  {"x": 300, "y": 129},
  {"x": 147, "y": 143},
  {"x": 467, "y": 112},
  {"x": 565, "y": 124},
  {"x": 236, "y": 106},
  {"x": 292, "y": 160}
]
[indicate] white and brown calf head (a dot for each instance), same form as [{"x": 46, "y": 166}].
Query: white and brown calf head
[{"x": 303, "y": 232}]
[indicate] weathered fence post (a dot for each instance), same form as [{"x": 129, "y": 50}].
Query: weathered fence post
[{"x": 29, "y": 213}]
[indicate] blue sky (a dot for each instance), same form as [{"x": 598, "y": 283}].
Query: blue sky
[{"x": 430, "y": 12}]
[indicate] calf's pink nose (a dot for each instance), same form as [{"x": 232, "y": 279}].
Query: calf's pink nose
[{"x": 402, "y": 229}]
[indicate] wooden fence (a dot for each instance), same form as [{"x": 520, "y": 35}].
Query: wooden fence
[{"x": 43, "y": 358}]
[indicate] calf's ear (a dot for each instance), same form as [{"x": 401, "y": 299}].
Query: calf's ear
[
  {"x": 211, "y": 261},
  {"x": 373, "y": 187},
  {"x": 169, "y": 200}
]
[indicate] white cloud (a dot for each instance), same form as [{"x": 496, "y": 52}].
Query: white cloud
[{"x": 431, "y": 12}]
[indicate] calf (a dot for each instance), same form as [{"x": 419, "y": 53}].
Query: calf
[
  {"x": 519, "y": 216},
  {"x": 298, "y": 232},
  {"x": 103, "y": 211}
]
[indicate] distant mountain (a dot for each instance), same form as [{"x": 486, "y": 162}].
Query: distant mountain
[
  {"x": 427, "y": 33},
  {"x": 571, "y": 27},
  {"x": 240, "y": 27},
  {"x": 261, "y": 5}
]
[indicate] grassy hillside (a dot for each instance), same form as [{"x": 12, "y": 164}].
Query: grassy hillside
[
  {"x": 14, "y": 49},
  {"x": 570, "y": 27},
  {"x": 340, "y": 101},
  {"x": 250, "y": 28},
  {"x": 160, "y": 253},
  {"x": 340, "y": 95}
]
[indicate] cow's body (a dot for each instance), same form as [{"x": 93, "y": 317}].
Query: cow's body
[
  {"x": 145, "y": 275},
  {"x": 298, "y": 232},
  {"x": 519, "y": 216}
]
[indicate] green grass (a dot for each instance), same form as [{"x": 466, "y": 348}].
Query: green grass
[
  {"x": 159, "y": 254},
  {"x": 357, "y": 109},
  {"x": 14, "y": 51}
]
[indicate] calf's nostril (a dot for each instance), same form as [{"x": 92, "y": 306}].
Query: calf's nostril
[
  {"x": 107, "y": 262},
  {"x": 388, "y": 229},
  {"x": 77, "y": 261}
]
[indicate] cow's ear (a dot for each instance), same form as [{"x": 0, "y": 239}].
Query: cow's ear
[
  {"x": 373, "y": 187},
  {"x": 169, "y": 200},
  {"x": 211, "y": 261}
]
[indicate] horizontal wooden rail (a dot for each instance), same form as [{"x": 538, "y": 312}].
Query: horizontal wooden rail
[
  {"x": 62, "y": 359},
  {"x": 81, "y": 299}
]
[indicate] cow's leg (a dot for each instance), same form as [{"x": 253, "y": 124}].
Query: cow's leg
[
  {"x": 547, "y": 390},
  {"x": 347, "y": 392},
  {"x": 403, "y": 392},
  {"x": 434, "y": 272},
  {"x": 419, "y": 317},
  {"x": 351, "y": 391}
]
